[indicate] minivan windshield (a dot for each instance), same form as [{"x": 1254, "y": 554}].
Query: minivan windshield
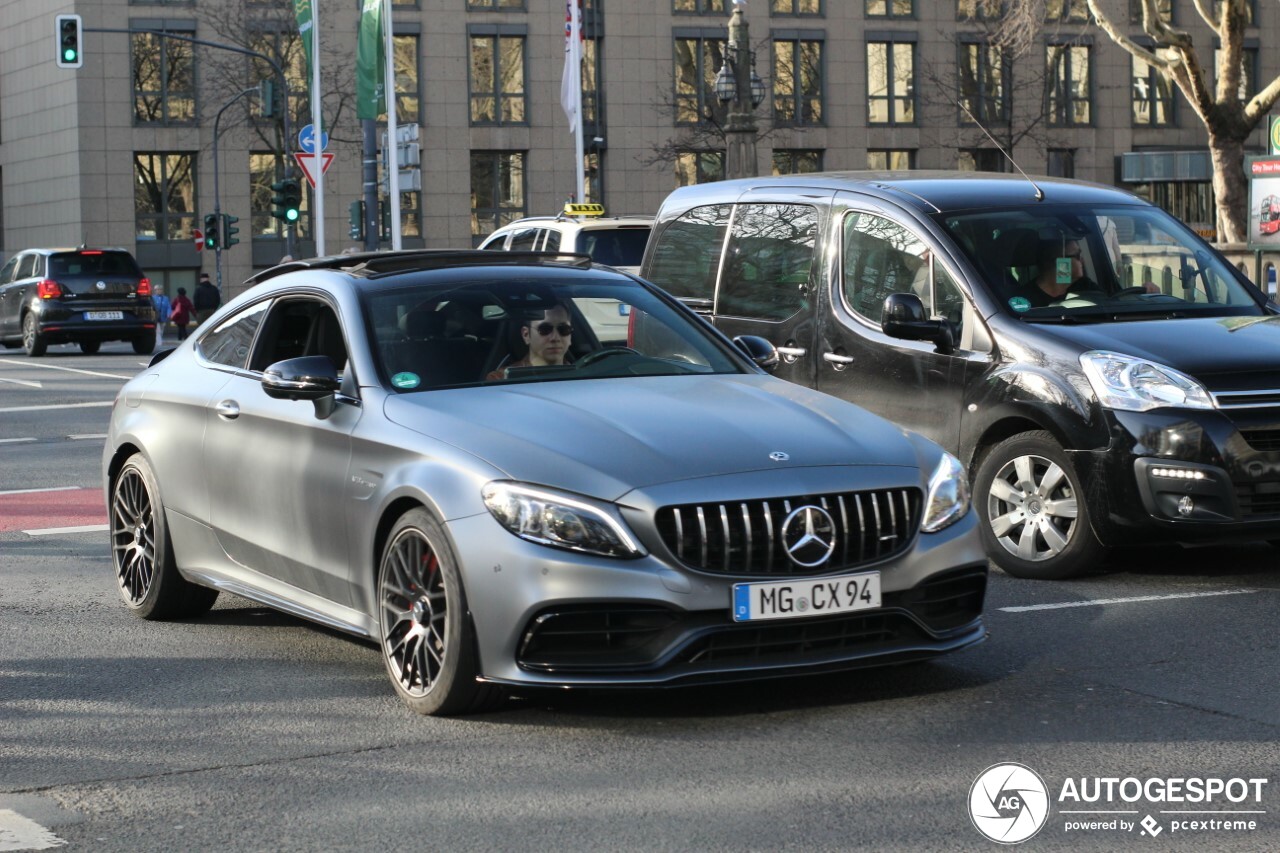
[{"x": 1075, "y": 263}]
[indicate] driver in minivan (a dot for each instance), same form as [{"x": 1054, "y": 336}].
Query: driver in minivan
[{"x": 1053, "y": 284}]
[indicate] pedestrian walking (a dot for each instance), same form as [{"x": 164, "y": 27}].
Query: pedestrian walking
[
  {"x": 207, "y": 298},
  {"x": 163, "y": 307},
  {"x": 182, "y": 312}
]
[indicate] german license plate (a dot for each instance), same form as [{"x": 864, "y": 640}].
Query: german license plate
[
  {"x": 104, "y": 315},
  {"x": 809, "y": 597}
]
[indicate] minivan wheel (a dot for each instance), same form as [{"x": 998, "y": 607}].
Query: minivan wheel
[
  {"x": 426, "y": 634},
  {"x": 90, "y": 347},
  {"x": 1035, "y": 518},
  {"x": 32, "y": 341}
]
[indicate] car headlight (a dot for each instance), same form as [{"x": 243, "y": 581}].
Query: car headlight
[
  {"x": 948, "y": 498},
  {"x": 1136, "y": 385},
  {"x": 558, "y": 520}
]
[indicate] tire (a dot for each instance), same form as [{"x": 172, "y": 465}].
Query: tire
[
  {"x": 90, "y": 347},
  {"x": 425, "y": 630},
  {"x": 1030, "y": 475},
  {"x": 144, "y": 344},
  {"x": 146, "y": 571},
  {"x": 32, "y": 341}
]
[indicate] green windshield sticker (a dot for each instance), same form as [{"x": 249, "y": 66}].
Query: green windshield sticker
[
  {"x": 406, "y": 380},
  {"x": 1020, "y": 304},
  {"x": 1064, "y": 271}
]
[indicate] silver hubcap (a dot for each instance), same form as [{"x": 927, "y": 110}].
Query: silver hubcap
[
  {"x": 29, "y": 332},
  {"x": 133, "y": 544},
  {"x": 1032, "y": 508},
  {"x": 415, "y": 604}
]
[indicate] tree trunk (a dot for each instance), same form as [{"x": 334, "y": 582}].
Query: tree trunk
[{"x": 1230, "y": 186}]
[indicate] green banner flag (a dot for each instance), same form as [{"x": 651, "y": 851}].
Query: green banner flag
[
  {"x": 302, "y": 11},
  {"x": 371, "y": 63}
]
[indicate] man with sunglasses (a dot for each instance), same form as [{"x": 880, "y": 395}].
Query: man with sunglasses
[
  {"x": 1052, "y": 284},
  {"x": 547, "y": 339}
]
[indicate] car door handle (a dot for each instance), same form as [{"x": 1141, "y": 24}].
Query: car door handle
[
  {"x": 840, "y": 360},
  {"x": 791, "y": 353},
  {"x": 228, "y": 409}
]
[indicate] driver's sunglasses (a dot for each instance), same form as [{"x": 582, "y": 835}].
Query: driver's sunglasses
[{"x": 545, "y": 329}]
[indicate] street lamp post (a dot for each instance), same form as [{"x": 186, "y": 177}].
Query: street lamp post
[{"x": 738, "y": 86}]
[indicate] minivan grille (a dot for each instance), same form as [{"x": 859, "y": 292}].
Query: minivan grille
[
  {"x": 745, "y": 537},
  {"x": 1262, "y": 439},
  {"x": 1246, "y": 399},
  {"x": 1257, "y": 499}
]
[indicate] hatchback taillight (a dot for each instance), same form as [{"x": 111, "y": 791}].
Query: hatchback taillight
[
  {"x": 48, "y": 289},
  {"x": 144, "y": 287}
]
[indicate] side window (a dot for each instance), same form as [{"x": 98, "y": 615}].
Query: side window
[
  {"x": 553, "y": 242},
  {"x": 298, "y": 327},
  {"x": 27, "y": 266},
  {"x": 880, "y": 257},
  {"x": 523, "y": 240},
  {"x": 494, "y": 242},
  {"x": 6, "y": 274},
  {"x": 230, "y": 341},
  {"x": 687, "y": 256},
  {"x": 767, "y": 266}
]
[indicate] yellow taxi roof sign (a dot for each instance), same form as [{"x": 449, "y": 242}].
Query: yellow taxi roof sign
[{"x": 572, "y": 209}]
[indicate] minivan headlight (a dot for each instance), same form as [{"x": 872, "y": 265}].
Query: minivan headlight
[
  {"x": 1136, "y": 385},
  {"x": 948, "y": 497},
  {"x": 558, "y": 520}
]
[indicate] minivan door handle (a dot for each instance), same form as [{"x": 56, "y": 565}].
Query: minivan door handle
[
  {"x": 839, "y": 362},
  {"x": 790, "y": 354},
  {"x": 228, "y": 409}
]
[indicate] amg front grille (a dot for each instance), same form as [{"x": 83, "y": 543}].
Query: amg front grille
[
  {"x": 1262, "y": 439},
  {"x": 1258, "y": 499},
  {"x": 745, "y": 537}
]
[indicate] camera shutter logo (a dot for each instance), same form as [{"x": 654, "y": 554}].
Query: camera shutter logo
[{"x": 1008, "y": 803}]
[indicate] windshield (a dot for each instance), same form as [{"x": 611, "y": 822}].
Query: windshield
[
  {"x": 483, "y": 332},
  {"x": 1058, "y": 263}
]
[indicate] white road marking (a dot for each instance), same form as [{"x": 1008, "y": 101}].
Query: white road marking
[
  {"x": 33, "y": 491},
  {"x": 14, "y": 441},
  {"x": 87, "y": 435},
  {"x": 54, "y": 531},
  {"x": 4, "y": 361},
  {"x": 53, "y": 406},
  {"x": 22, "y": 833},
  {"x": 1100, "y": 601},
  {"x": 30, "y": 383}
]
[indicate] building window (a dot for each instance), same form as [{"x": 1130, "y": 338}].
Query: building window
[
  {"x": 495, "y": 5},
  {"x": 983, "y": 72},
  {"x": 796, "y": 8},
  {"x": 1067, "y": 11},
  {"x": 497, "y": 190},
  {"x": 164, "y": 196},
  {"x": 981, "y": 160},
  {"x": 594, "y": 174},
  {"x": 411, "y": 214},
  {"x": 1248, "y": 70},
  {"x": 797, "y": 82},
  {"x": 497, "y": 79},
  {"x": 698, "y": 7},
  {"x": 891, "y": 159},
  {"x": 1062, "y": 163},
  {"x": 697, "y": 61},
  {"x": 286, "y": 48},
  {"x": 890, "y": 8},
  {"x": 699, "y": 167},
  {"x": 1164, "y": 8},
  {"x": 408, "y": 75},
  {"x": 891, "y": 95},
  {"x": 265, "y": 169},
  {"x": 796, "y": 161},
  {"x": 591, "y": 68},
  {"x": 164, "y": 88},
  {"x": 1067, "y": 84},
  {"x": 1152, "y": 96},
  {"x": 979, "y": 10}
]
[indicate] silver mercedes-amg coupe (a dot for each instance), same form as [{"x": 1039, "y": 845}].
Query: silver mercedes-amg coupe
[{"x": 439, "y": 452}]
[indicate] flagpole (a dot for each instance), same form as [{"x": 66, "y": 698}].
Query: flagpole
[
  {"x": 575, "y": 40},
  {"x": 318, "y": 128},
  {"x": 393, "y": 146}
]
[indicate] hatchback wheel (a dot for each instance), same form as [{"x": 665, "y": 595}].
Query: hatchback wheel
[
  {"x": 90, "y": 347},
  {"x": 144, "y": 344},
  {"x": 32, "y": 341},
  {"x": 428, "y": 641},
  {"x": 1035, "y": 518},
  {"x": 147, "y": 575}
]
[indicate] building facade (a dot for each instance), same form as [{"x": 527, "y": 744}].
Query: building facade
[{"x": 121, "y": 152}]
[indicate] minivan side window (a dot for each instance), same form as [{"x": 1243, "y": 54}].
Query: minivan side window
[
  {"x": 767, "y": 266},
  {"x": 687, "y": 257},
  {"x": 881, "y": 257}
]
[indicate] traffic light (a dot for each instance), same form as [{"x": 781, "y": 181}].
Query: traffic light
[
  {"x": 211, "y": 231},
  {"x": 291, "y": 193},
  {"x": 67, "y": 28},
  {"x": 227, "y": 236},
  {"x": 355, "y": 220}
]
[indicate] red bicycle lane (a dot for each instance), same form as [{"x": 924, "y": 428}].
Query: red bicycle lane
[{"x": 39, "y": 510}]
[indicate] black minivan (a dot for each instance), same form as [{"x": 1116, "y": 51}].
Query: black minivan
[
  {"x": 1106, "y": 376},
  {"x": 82, "y": 296}
]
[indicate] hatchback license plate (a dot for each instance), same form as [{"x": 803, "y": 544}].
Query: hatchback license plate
[
  {"x": 808, "y": 597},
  {"x": 104, "y": 315}
]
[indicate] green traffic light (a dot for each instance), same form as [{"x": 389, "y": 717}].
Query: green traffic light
[
  {"x": 69, "y": 55},
  {"x": 291, "y": 214}
]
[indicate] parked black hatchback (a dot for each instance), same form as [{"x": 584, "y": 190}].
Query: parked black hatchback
[
  {"x": 1107, "y": 377},
  {"x": 82, "y": 296}
]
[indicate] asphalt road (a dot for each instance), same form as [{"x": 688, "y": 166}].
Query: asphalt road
[{"x": 250, "y": 730}]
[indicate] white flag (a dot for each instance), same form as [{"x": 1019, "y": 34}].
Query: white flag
[{"x": 571, "y": 83}]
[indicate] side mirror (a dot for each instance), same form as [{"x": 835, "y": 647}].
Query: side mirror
[
  {"x": 312, "y": 377},
  {"x": 904, "y": 318},
  {"x": 759, "y": 350}
]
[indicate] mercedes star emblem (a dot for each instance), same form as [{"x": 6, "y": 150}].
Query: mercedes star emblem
[
  {"x": 809, "y": 535},
  {"x": 779, "y": 456}
]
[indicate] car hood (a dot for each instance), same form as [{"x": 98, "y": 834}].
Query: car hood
[
  {"x": 605, "y": 437},
  {"x": 1202, "y": 347}
]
